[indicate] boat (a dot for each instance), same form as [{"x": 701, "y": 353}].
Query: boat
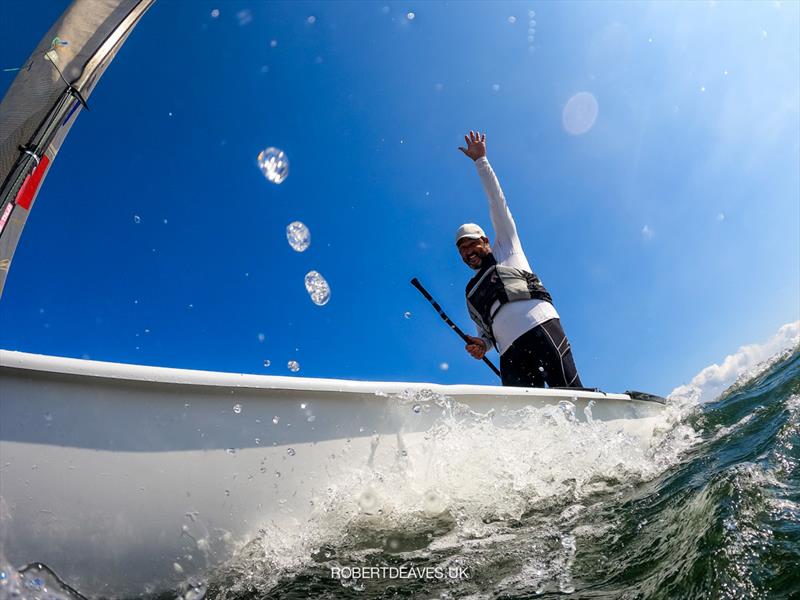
[
  {"x": 113, "y": 474},
  {"x": 131, "y": 479}
]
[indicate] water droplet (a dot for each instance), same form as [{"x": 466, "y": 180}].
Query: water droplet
[
  {"x": 541, "y": 369},
  {"x": 317, "y": 288},
  {"x": 237, "y": 408},
  {"x": 369, "y": 502},
  {"x": 512, "y": 19},
  {"x": 258, "y": 441},
  {"x": 417, "y": 408},
  {"x": 261, "y": 337},
  {"x": 531, "y": 14},
  {"x": 298, "y": 235},
  {"x": 273, "y": 163},
  {"x": 407, "y": 315},
  {"x": 702, "y": 88},
  {"x": 215, "y": 13},
  {"x": 267, "y": 363},
  {"x": 273, "y": 43},
  {"x": 303, "y": 405},
  {"x": 230, "y": 450},
  {"x": 311, "y": 19},
  {"x": 275, "y": 420},
  {"x": 277, "y": 473},
  {"x": 433, "y": 503},
  {"x": 291, "y": 452},
  {"x": 48, "y": 417},
  {"x": 410, "y": 16},
  {"x": 294, "y": 367},
  {"x": 177, "y": 567},
  {"x": 311, "y": 418},
  {"x": 227, "y": 492},
  {"x": 137, "y": 219},
  {"x": 444, "y": 366},
  {"x": 496, "y": 87}
]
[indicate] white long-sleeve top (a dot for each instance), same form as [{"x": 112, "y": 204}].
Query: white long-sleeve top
[{"x": 514, "y": 318}]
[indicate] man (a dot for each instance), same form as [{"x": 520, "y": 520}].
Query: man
[{"x": 505, "y": 298}]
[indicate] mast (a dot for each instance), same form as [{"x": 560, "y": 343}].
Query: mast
[{"x": 44, "y": 100}]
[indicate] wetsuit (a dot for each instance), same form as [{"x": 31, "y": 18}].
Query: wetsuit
[{"x": 527, "y": 333}]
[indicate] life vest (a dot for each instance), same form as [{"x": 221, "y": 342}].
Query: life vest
[{"x": 498, "y": 283}]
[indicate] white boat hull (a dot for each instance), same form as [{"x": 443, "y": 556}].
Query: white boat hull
[{"x": 125, "y": 479}]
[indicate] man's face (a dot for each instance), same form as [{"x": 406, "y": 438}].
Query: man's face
[{"x": 473, "y": 251}]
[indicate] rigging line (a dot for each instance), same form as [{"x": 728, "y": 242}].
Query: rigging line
[{"x": 57, "y": 41}]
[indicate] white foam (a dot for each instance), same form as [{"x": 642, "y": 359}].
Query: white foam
[
  {"x": 466, "y": 479},
  {"x": 746, "y": 363}
]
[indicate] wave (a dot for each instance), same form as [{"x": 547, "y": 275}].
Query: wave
[{"x": 738, "y": 368}]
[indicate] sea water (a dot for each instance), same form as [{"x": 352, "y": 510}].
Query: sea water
[{"x": 554, "y": 506}]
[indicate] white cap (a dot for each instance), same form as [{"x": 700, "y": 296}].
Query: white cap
[{"x": 469, "y": 230}]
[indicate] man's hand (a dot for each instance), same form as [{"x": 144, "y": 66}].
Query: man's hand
[
  {"x": 476, "y": 145},
  {"x": 476, "y": 347}
]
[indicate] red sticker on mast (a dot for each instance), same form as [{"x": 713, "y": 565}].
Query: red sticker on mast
[{"x": 31, "y": 184}]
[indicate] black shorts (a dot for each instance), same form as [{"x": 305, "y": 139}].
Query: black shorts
[{"x": 541, "y": 355}]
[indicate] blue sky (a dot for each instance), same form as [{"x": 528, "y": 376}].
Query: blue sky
[{"x": 668, "y": 233}]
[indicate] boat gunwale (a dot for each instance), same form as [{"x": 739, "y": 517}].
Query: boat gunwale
[{"x": 17, "y": 360}]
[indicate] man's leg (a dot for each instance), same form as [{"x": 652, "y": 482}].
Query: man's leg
[
  {"x": 560, "y": 370},
  {"x": 519, "y": 366}
]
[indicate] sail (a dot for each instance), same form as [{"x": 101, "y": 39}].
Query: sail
[{"x": 46, "y": 97}]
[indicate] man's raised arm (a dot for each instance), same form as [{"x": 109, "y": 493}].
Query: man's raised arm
[{"x": 505, "y": 230}]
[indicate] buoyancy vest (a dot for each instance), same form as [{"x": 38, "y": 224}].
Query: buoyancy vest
[{"x": 497, "y": 283}]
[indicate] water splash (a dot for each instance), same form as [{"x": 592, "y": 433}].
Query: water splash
[
  {"x": 317, "y": 288},
  {"x": 461, "y": 490},
  {"x": 35, "y": 581},
  {"x": 737, "y": 369},
  {"x": 274, "y": 164},
  {"x": 298, "y": 236}
]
